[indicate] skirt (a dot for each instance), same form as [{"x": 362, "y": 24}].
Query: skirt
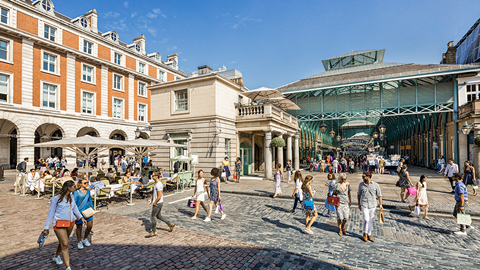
[
  {"x": 227, "y": 171},
  {"x": 200, "y": 196},
  {"x": 329, "y": 206},
  {"x": 343, "y": 211},
  {"x": 468, "y": 179}
]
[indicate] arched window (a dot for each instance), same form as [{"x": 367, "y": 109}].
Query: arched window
[
  {"x": 84, "y": 22},
  {"x": 46, "y": 5},
  {"x": 113, "y": 36},
  {"x": 137, "y": 47}
]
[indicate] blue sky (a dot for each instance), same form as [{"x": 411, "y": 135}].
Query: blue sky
[{"x": 277, "y": 42}]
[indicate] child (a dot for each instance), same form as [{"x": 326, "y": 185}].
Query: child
[{"x": 331, "y": 188}]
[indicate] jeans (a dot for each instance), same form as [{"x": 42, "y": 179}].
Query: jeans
[
  {"x": 297, "y": 199},
  {"x": 368, "y": 217},
  {"x": 452, "y": 183},
  {"x": 157, "y": 213},
  {"x": 457, "y": 210}
]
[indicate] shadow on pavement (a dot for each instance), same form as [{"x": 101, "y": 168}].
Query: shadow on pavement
[
  {"x": 281, "y": 209},
  {"x": 282, "y": 225}
]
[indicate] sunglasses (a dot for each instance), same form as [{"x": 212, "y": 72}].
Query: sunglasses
[{"x": 84, "y": 183}]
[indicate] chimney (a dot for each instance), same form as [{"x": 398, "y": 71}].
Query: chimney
[
  {"x": 140, "y": 41},
  {"x": 449, "y": 57},
  {"x": 172, "y": 60},
  {"x": 92, "y": 16},
  {"x": 203, "y": 70}
]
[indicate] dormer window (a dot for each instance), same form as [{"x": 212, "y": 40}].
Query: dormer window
[
  {"x": 137, "y": 47},
  {"x": 47, "y": 6},
  {"x": 84, "y": 22},
  {"x": 113, "y": 36},
  {"x": 157, "y": 57}
]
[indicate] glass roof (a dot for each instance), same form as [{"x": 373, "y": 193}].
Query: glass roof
[{"x": 354, "y": 58}]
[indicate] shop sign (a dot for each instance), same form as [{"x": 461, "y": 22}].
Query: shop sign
[
  {"x": 402, "y": 147},
  {"x": 179, "y": 135},
  {"x": 408, "y": 147}
]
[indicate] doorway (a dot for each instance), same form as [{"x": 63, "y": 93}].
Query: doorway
[
  {"x": 13, "y": 149},
  {"x": 246, "y": 157}
]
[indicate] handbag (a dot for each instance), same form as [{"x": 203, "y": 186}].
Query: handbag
[
  {"x": 220, "y": 206},
  {"x": 398, "y": 183},
  {"x": 333, "y": 200},
  {"x": 464, "y": 219},
  {"x": 308, "y": 205},
  {"x": 381, "y": 217},
  {"x": 89, "y": 212},
  {"x": 416, "y": 212},
  {"x": 235, "y": 176},
  {"x": 65, "y": 223},
  {"x": 412, "y": 191},
  {"x": 191, "y": 203}
]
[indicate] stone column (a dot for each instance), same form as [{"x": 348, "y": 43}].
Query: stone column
[
  {"x": 268, "y": 155},
  {"x": 253, "y": 154},
  {"x": 24, "y": 138},
  {"x": 289, "y": 147},
  {"x": 296, "y": 152},
  {"x": 280, "y": 155}
]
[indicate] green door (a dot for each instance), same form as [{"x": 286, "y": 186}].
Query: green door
[{"x": 246, "y": 156}]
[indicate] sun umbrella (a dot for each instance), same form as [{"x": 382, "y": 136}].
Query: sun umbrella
[
  {"x": 283, "y": 103},
  {"x": 262, "y": 93}
]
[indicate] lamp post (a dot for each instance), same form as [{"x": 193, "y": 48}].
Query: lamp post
[{"x": 323, "y": 129}]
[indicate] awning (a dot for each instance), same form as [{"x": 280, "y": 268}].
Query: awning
[{"x": 263, "y": 93}]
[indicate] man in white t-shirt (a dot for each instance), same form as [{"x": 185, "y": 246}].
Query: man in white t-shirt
[
  {"x": 157, "y": 202},
  {"x": 449, "y": 171},
  {"x": 335, "y": 166}
]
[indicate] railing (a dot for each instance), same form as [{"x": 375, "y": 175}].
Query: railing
[
  {"x": 250, "y": 110},
  {"x": 264, "y": 111}
]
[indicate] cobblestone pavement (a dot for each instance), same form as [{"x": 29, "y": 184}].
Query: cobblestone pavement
[
  {"x": 402, "y": 242},
  {"x": 118, "y": 243}
]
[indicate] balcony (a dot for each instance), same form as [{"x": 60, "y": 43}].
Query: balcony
[
  {"x": 471, "y": 108},
  {"x": 264, "y": 112}
]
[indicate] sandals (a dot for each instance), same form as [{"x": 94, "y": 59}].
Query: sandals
[{"x": 426, "y": 218}]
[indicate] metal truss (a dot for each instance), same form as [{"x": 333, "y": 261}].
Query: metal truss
[{"x": 393, "y": 111}]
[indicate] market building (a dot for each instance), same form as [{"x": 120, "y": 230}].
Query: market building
[
  {"x": 405, "y": 108},
  {"x": 61, "y": 77},
  {"x": 213, "y": 115}
]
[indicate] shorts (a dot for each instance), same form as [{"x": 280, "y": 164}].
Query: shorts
[
  {"x": 71, "y": 224},
  {"x": 78, "y": 222},
  {"x": 377, "y": 166}
]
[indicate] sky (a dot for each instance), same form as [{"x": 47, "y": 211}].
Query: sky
[{"x": 274, "y": 43}]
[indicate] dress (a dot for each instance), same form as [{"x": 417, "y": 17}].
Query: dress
[
  {"x": 330, "y": 207},
  {"x": 468, "y": 177},
  {"x": 200, "y": 194},
  {"x": 278, "y": 180},
  {"x": 422, "y": 195},
  {"x": 214, "y": 190},
  {"x": 307, "y": 197},
  {"x": 343, "y": 210},
  {"x": 226, "y": 169},
  {"x": 404, "y": 181}
]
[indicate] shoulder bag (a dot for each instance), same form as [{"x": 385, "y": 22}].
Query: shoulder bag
[
  {"x": 464, "y": 219},
  {"x": 381, "y": 217},
  {"x": 65, "y": 223},
  {"x": 333, "y": 200},
  {"x": 89, "y": 212},
  {"x": 308, "y": 204}
]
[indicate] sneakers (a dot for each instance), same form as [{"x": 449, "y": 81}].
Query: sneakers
[
  {"x": 308, "y": 232},
  {"x": 224, "y": 216},
  {"x": 86, "y": 243},
  {"x": 326, "y": 215},
  {"x": 80, "y": 245},
  {"x": 68, "y": 268},
  {"x": 152, "y": 234},
  {"x": 460, "y": 233},
  {"x": 207, "y": 219},
  {"x": 58, "y": 260},
  {"x": 470, "y": 229},
  {"x": 171, "y": 227}
]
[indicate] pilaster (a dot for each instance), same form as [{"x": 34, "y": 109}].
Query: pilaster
[
  {"x": 104, "y": 91},
  {"x": 71, "y": 83},
  {"x": 27, "y": 73}
]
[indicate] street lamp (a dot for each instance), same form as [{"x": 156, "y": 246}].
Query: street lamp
[
  {"x": 137, "y": 133},
  {"x": 382, "y": 128},
  {"x": 332, "y": 134},
  {"x": 466, "y": 128},
  {"x": 375, "y": 134},
  {"x": 339, "y": 138},
  {"x": 323, "y": 127}
]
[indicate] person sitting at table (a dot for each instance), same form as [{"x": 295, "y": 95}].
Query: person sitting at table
[
  {"x": 74, "y": 172},
  {"x": 65, "y": 176},
  {"x": 97, "y": 184},
  {"x": 137, "y": 173},
  {"x": 142, "y": 183},
  {"x": 128, "y": 177},
  {"x": 65, "y": 171},
  {"x": 32, "y": 178}
]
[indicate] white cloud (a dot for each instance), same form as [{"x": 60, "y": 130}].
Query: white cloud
[
  {"x": 152, "y": 15},
  {"x": 119, "y": 26},
  {"x": 134, "y": 14},
  {"x": 152, "y": 31},
  {"x": 157, "y": 11},
  {"x": 111, "y": 14},
  {"x": 243, "y": 21},
  {"x": 125, "y": 4},
  {"x": 164, "y": 16}
]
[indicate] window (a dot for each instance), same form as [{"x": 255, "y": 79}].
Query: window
[
  {"x": 161, "y": 75},
  {"x": 4, "y": 15},
  {"x": 49, "y": 96},
  {"x": 117, "y": 108},
  {"x": 141, "y": 112},
  {"x": 49, "y": 62},
  {"x": 4, "y": 50},
  {"x": 117, "y": 82},
  {"x": 181, "y": 100},
  {"x": 46, "y": 5},
  {"x": 87, "y": 47},
  {"x": 240, "y": 99},
  {"x": 113, "y": 36},
  {"x": 141, "y": 89},
  {"x": 87, "y": 73},
  {"x": 84, "y": 22},
  {"x": 4, "y": 88},
  {"x": 118, "y": 59},
  {"x": 87, "y": 103},
  {"x": 141, "y": 67},
  {"x": 472, "y": 92},
  {"x": 49, "y": 33},
  {"x": 137, "y": 47}
]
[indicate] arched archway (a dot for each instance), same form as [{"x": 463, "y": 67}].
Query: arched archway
[
  {"x": 115, "y": 152},
  {"x": 45, "y": 133},
  {"x": 8, "y": 140},
  {"x": 144, "y": 136},
  {"x": 88, "y": 131}
]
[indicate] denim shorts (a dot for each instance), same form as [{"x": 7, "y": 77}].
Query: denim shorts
[{"x": 78, "y": 222}]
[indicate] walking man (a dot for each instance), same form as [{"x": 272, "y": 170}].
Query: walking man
[
  {"x": 461, "y": 198},
  {"x": 22, "y": 169},
  {"x": 157, "y": 202},
  {"x": 449, "y": 171},
  {"x": 368, "y": 192}
]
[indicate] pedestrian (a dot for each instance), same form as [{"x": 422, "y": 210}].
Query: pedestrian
[
  {"x": 214, "y": 193},
  {"x": 351, "y": 164},
  {"x": 377, "y": 166},
  {"x": 368, "y": 192},
  {"x": 404, "y": 183},
  {"x": 21, "y": 170},
  {"x": 343, "y": 209},
  {"x": 331, "y": 187},
  {"x": 199, "y": 193},
  {"x": 335, "y": 166},
  {"x": 63, "y": 211},
  {"x": 344, "y": 165},
  {"x": 288, "y": 168},
  {"x": 238, "y": 169},
  {"x": 400, "y": 164},
  {"x": 421, "y": 199},
  {"x": 102, "y": 163},
  {"x": 226, "y": 168},
  {"x": 308, "y": 206},
  {"x": 312, "y": 164},
  {"x": 322, "y": 165},
  {"x": 449, "y": 171},
  {"x": 461, "y": 200},
  {"x": 440, "y": 164},
  {"x": 49, "y": 162},
  {"x": 157, "y": 204},
  {"x": 64, "y": 162},
  {"x": 297, "y": 193},
  {"x": 381, "y": 164},
  {"x": 83, "y": 200},
  {"x": 469, "y": 176},
  {"x": 278, "y": 179}
]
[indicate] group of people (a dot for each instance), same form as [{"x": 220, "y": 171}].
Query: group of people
[{"x": 331, "y": 164}]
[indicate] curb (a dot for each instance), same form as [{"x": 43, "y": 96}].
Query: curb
[{"x": 389, "y": 207}]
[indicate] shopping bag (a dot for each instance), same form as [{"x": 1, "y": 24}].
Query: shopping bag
[
  {"x": 464, "y": 219},
  {"x": 217, "y": 210},
  {"x": 191, "y": 203},
  {"x": 235, "y": 176},
  {"x": 220, "y": 207},
  {"x": 412, "y": 191},
  {"x": 333, "y": 200},
  {"x": 41, "y": 240},
  {"x": 381, "y": 217},
  {"x": 417, "y": 210}
]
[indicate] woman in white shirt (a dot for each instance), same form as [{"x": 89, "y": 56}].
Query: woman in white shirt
[
  {"x": 200, "y": 193},
  {"x": 32, "y": 181},
  {"x": 297, "y": 193}
]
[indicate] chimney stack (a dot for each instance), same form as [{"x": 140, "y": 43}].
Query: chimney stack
[
  {"x": 450, "y": 57},
  {"x": 92, "y": 16},
  {"x": 203, "y": 70}
]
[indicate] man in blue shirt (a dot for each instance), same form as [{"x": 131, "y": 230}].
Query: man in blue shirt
[{"x": 461, "y": 198}]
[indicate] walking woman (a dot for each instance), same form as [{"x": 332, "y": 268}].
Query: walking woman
[
  {"x": 297, "y": 193},
  {"x": 308, "y": 193},
  {"x": 226, "y": 169},
  {"x": 83, "y": 200},
  {"x": 351, "y": 164},
  {"x": 63, "y": 211},
  {"x": 343, "y": 210},
  {"x": 288, "y": 168},
  {"x": 238, "y": 169},
  {"x": 469, "y": 176},
  {"x": 214, "y": 193},
  {"x": 421, "y": 198},
  {"x": 322, "y": 165},
  {"x": 278, "y": 179},
  {"x": 404, "y": 183},
  {"x": 331, "y": 187},
  {"x": 199, "y": 193}
]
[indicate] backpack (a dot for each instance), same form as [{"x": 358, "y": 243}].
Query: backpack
[{"x": 19, "y": 168}]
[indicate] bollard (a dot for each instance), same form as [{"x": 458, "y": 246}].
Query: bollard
[
  {"x": 16, "y": 184},
  {"x": 53, "y": 190},
  {"x": 38, "y": 190},
  {"x": 131, "y": 195},
  {"x": 95, "y": 201},
  {"x": 23, "y": 187}
]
